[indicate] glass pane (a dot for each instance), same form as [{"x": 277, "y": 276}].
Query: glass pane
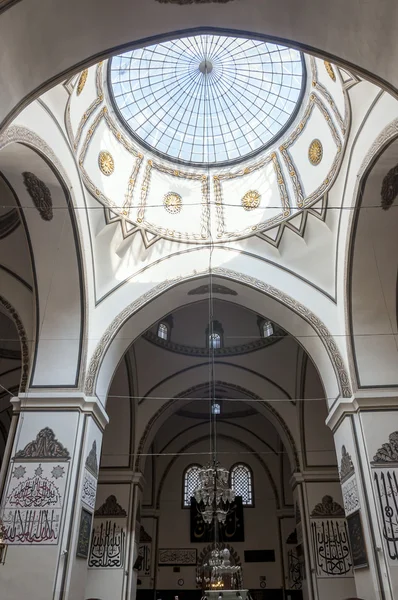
[
  {"x": 241, "y": 482},
  {"x": 162, "y": 331},
  {"x": 191, "y": 482},
  {"x": 207, "y": 84}
]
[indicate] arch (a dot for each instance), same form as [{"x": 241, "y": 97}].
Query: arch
[
  {"x": 132, "y": 26},
  {"x": 231, "y": 439},
  {"x": 322, "y": 339},
  {"x": 23, "y": 338},
  {"x": 360, "y": 292},
  {"x": 71, "y": 254},
  {"x": 268, "y": 410}
]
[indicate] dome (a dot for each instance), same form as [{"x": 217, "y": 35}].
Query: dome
[{"x": 207, "y": 98}]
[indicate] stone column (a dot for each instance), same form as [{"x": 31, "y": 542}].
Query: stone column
[
  {"x": 116, "y": 533},
  {"x": 49, "y": 495},
  {"x": 322, "y": 531},
  {"x": 365, "y": 430}
]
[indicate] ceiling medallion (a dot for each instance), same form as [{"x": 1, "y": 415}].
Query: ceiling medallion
[
  {"x": 315, "y": 152},
  {"x": 330, "y": 70},
  {"x": 106, "y": 162},
  {"x": 172, "y": 203},
  {"x": 251, "y": 200},
  {"x": 82, "y": 82}
]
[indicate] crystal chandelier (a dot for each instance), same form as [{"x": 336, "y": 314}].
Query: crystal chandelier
[{"x": 213, "y": 494}]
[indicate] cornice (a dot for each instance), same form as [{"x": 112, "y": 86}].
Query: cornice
[
  {"x": 363, "y": 400},
  {"x": 257, "y": 344},
  {"x": 59, "y": 401}
]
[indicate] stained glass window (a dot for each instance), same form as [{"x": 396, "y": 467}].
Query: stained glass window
[
  {"x": 241, "y": 482},
  {"x": 163, "y": 331},
  {"x": 191, "y": 482},
  {"x": 207, "y": 98}
]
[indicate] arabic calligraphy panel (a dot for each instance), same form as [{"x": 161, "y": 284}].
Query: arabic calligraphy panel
[
  {"x": 177, "y": 556},
  {"x": 107, "y": 550},
  {"x": 357, "y": 540},
  {"x": 32, "y": 509},
  {"x": 331, "y": 545},
  {"x": 386, "y": 488},
  {"x": 83, "y": 542},
  {"x": 349, "y": 491},
  {"x": 89, "y": 489}
]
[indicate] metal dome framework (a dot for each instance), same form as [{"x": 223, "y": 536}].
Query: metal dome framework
[{"x": 207, "y": 99}]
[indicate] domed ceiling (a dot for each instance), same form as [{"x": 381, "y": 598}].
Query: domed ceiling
[{"x": 209, "y": 138}]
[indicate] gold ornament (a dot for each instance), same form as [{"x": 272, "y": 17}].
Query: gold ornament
[
  {"x": 251, "y": 200},
  {"x": 330, "y": 70},
  {"x": 106, "y": 162},
  {"x": 172, "y": 203},
  {"x": 315, "y": 152},
  {"x": 82, "y": 81}
]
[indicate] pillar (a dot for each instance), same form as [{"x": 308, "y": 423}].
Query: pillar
[
  {"x": 322, "y": 533},
  {"x": 48, "y": 494},
  {"x": 365, "y": 429}
]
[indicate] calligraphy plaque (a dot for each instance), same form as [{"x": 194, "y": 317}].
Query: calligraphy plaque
[
  {"x": 32, "y": 508},
  {"x": 178, "y": 557},
  {"x": 107, "y": 545},
  {"x": 357, "y": 540},
  {"x": 349, "y": 491},
  {"x": 232, "y": 531},
  {"x": 89, "y": 489},
  {"x": 83, "y": 541},
  {"x": 331, "y": 547},
  {"x": 386, "y": 488}
]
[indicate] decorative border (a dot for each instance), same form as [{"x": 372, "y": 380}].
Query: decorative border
[
  {"x": 217, "y": 179},
  {"x": 158, "y": 230},
  {"x": 298, "y": 190},
  {"x": 178, "y": 562},
  {"x": 75, "y": 139},
  {"x": 344, "y": 123},
  {"x": 258, "y": 344},
  {"x": 23, "y": 338},
  {"x": 126, "y": 144},
  {"x": 315, "y": 322}
]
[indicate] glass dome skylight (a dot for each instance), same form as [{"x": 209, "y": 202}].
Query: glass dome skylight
[{"x": 207, "y": 98}]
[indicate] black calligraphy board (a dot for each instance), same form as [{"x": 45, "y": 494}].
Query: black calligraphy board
[
  {"x": 83, "y": 541},
  {"x": 357, "y": 540},
  {"x": 232, "y": 531}
]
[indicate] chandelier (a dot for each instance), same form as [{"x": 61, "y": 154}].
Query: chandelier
[{"x": 213, "y": 494}]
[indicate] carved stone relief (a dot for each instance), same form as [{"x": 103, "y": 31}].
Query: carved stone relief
[
  {"x": 40, "y": 195},
  {"x": 44, "y": 446},
  {"x": 349, "y": 486},
  {"x": 389, "y": 188},
  {"x": 89, "y": 489},
  {"x": 110, "y": 508}
]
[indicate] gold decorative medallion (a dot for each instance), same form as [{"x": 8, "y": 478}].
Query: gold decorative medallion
[
  {"x": 172, "y": 203},
  {"x": 106, "y": 162},
  {"x": 315, "y": 152},
  {"x": 330, "y": 70},
  {"x": 82, "y": 81},
  {"x": 251, "y": 200}
]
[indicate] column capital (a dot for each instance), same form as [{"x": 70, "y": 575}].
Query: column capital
[
  {"x": 122, "y": 476},
  {"x": 65, "y": 401},
  {"x": 361, "y": 400}
]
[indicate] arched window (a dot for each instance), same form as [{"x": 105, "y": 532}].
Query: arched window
[
  {"x": 241, "y": 482},
  {"x": 163, "y": 331},
  {"x": 214, "y": 340},
  {"x": 216, "y": 408},
  {"x": 267, "y": 329},
  {"x": 191, "y": 482}
]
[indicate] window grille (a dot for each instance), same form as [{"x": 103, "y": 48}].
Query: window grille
[
  {"x": 191, "y": 482},
  {"x": 241, "y": 482},
  {"x": 214, "y": 340},
  {"x": 268, "y": 329}
]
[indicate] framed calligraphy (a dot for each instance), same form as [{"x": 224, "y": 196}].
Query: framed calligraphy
[
  {"x": 357, "y": 540},
  {"x": 331, "y": 547},
  {"x": 107, "y": 548},
  {"x": 177, "y": 557},
  {"x": 83, "y": 541},
  {"x": 386, "y": 488}
]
